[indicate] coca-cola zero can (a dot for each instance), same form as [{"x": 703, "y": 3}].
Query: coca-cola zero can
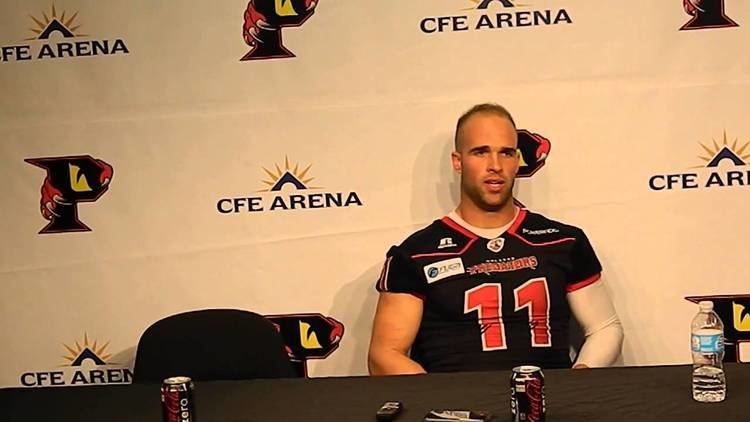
[
  {"x": 527, "y": 402},
  {"x": 177, "y": 400}
]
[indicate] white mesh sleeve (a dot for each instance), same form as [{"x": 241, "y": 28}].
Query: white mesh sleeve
[{"x": 594, "y": 311}]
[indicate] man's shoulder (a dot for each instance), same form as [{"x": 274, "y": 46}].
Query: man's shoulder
[{"x": 538, "y": 227}]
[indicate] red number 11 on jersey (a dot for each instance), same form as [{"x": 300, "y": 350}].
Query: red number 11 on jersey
[{"x": 486, "y": 299}]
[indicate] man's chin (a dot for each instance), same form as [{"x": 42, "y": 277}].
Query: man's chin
[
  {"x": 494, "y": 205},
  {"x": 490, "y": 207}
]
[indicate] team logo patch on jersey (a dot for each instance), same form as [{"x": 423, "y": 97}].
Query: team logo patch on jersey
[
  {"x": 505, "y": 265},
  {"x": 442, "y": 269},
  {"x": 496, "y": 245},
  {"x": 446, "y": 242}
]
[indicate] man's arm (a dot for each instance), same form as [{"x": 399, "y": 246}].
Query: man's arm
[
  {"x": 397, "y": 320},
  {"x": 595, "y": 313}
]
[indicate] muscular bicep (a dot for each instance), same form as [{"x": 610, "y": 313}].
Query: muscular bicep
[{"x": 396, "y": 322}]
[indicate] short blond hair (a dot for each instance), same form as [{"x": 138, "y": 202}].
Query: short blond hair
[{"x": 488, "y": 108}]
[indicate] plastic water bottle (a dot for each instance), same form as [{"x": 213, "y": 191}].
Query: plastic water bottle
[{"x": 707, "y": 345}]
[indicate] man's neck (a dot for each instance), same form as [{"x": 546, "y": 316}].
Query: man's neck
[{"x": 486, "y": 219}]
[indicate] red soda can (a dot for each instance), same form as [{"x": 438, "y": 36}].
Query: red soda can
[
  {"x": 177, "y": 400},
  {"x": 527, "y": 402}
]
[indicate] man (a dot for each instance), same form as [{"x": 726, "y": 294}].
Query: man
[{"x": 490, "y": 286}]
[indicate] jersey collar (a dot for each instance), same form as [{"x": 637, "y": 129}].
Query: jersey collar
[{"x": 454, "y": 221}]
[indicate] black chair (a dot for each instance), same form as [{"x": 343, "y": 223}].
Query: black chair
[{"x": 211, "y": 344}]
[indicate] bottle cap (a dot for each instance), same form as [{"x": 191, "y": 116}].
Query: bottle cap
[{"x": 706, "y": 305}]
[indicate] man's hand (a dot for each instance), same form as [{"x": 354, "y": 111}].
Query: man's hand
[{"x": 580, "y": 366}]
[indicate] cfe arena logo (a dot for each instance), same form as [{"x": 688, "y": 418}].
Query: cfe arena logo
[
  {"x": 724, "y": 165},
  {"x": 85, "y": 363},
  {"x": 495, "y": 14},
  {"x": 285, "y": 178},
  {"x": 59, "y": 34}
]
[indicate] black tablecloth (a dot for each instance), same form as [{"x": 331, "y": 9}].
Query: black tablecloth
[{"x": 613, "y": 394}]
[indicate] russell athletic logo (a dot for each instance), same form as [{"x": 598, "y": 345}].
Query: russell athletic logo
[
  {"x": 724, "y": 165},
  {"x": 289, "y": 178},
  {"x": 734, "y": 311},
  {"x": 264, "y": 20},
  {"x": 706, "y": 14},
  {"x": 59, "y": 34},
  {"x": 69, "y": 181},
  {"x": 494, "y": 14},
  {"x": 86, "y": 362}
]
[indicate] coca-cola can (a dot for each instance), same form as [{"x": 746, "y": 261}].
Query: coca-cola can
[
  {"x": 177, "y": 400},
  {"x": 527, "y": 402}
]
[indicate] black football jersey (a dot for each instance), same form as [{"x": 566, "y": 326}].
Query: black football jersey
[{"x": 492, "y": 303}]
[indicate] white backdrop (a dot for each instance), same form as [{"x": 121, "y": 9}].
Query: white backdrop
[{"x": 369, "y": 103}]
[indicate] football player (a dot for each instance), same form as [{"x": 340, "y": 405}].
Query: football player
[{"x": 491, "y": 285}]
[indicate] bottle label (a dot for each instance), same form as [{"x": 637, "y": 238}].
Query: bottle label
[{"x": 707, "y": 343}]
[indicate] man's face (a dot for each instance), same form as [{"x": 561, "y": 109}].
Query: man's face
[{"x": 487, "y": 158}]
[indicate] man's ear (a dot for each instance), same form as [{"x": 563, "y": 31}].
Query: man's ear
[{"x": 456, "y": 161}]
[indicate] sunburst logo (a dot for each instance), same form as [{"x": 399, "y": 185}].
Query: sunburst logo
[
  {"x": 280, "y": 176},
  {"x": 46, "y": 24},
  {"x": 84, "y": 350},
  {"x": 483, "y": 4},
  {"x": 717, "y": 152}
]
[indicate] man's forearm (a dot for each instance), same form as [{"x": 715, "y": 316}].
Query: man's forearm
[
  {"x": 392, "y": 362},
  {"x": 596, "y": 314},
  {"x": 602, "y": 347}
]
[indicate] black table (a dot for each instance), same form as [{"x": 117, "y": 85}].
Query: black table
[{"x": 614, "y": 394}]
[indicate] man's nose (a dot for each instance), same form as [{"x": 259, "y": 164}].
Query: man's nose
[{"x": 494, "y": 164}]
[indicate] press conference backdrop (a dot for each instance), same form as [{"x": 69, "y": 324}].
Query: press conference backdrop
[{"x": 192, "y": 159}]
